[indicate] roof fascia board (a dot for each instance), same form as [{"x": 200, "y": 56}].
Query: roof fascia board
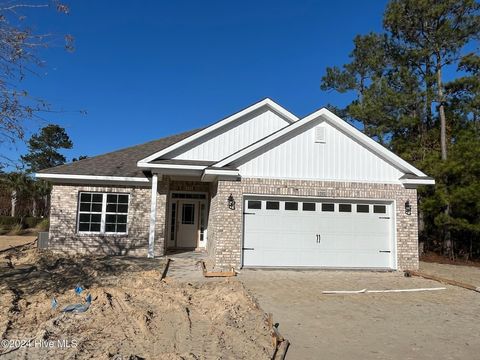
[
  {"x": 219, "y": 174},
  {"x": 266, "y": 102},
  {"x": 171, "y": 166},
  {"x": 417, "y": 181},
  {"x": 337, "y": 122},
  {"x": 93, "y": 179}
]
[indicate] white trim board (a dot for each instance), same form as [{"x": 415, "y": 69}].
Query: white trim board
[
  {"x": 291, "y": 118},
  {"x": 92, "y": 177},
  {"x": 326, "y": 115}
]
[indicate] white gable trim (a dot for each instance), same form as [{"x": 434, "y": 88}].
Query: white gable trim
[
  {"x": 333, "y": 119},
  {"x": 291, "y": 118}
]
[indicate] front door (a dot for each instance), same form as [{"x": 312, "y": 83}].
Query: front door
[{"x": 187, "y": 233}]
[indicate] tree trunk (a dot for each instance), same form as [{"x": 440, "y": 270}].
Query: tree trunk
[
  {"x": 34, "y": 207},
  {"x": 447, "y": 241},
  {"x": 441, "y": 111},
  {"x": 14, "y": 202},
  {"x": 47, "y": 205}
]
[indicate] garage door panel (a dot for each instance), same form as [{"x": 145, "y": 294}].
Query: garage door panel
[{"x": 318, "y": 238}]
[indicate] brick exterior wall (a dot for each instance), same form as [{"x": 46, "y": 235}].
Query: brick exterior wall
[
  {"x": 225, "y": 225},
  {"x": 63, "y": 236}
]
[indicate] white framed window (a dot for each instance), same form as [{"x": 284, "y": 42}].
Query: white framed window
[{"x": 102, "y": 213}]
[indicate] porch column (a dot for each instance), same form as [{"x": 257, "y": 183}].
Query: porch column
[{"x": 153, "y": 217}]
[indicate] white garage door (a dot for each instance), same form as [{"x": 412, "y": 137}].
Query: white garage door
[{"x": 327, "y": 233}]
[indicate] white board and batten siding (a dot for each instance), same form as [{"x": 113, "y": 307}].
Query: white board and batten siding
[
  {"x": 218, "y": 145},
  {"x": 321, "y": 152}
]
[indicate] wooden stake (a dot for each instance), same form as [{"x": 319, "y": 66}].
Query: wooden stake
[
  {"x": 282, "y": 350},
  {"x": 165, "y": 269}
]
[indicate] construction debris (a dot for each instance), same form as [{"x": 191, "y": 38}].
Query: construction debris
[
  {"x": 206, "y": 273},
  {"x": 409, "y": 273},
  {"x": 132, "y": 314},
  {"x": 278, "y": 341},
  {"x": 365, "y": 291},
  {"x": 165, "y": 269}
]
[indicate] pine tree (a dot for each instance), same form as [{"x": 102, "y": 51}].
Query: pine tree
[{"x": 43, "y": 148}]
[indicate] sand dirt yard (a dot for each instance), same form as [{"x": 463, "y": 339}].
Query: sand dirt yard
[
  {"x": 422, "y": 325},
  {"x": 8, "y": 241},
  {"x": 133, "y": 315}
]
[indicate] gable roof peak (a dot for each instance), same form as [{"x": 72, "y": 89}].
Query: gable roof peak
[{"x": 266, "y": 102}]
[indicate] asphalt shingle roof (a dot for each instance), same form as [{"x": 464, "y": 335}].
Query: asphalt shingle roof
[{"x": 118, "y": 163}]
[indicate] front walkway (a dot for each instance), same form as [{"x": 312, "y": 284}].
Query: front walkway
[
  {"x": 185, "y": 266},
  {"x": 417, "y": 325}
]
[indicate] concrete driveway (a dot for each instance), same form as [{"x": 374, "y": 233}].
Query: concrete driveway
[{"x": 420, "y": 325}]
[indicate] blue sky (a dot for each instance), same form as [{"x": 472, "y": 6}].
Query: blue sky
[{"x": 144, "y": 70}]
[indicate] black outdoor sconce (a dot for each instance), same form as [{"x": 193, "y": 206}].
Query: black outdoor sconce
[
  {"x": 231, "y": 202},
  {"x": 408, "y": 208}
]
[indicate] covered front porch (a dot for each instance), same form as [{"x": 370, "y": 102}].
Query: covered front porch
[{"x": 182, "y": 213}]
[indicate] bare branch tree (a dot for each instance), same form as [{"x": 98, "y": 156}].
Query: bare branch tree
[{"x": 19, "y": 58}]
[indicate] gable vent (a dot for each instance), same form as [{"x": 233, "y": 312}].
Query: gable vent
[{"x": 320, "y": 134}]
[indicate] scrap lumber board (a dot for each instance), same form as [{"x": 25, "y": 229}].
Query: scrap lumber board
[
  {"x": 165, "y": 269},
  {"x": 217, "y": 273},
  {"x": 18, "y": 247},
  {"x": 442, "y": 280},
  {"x": 282, "y": 350},
  {"x": 279, "y": 343}
]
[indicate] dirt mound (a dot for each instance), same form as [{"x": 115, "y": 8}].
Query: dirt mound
[{"x": 133, "y": 314}]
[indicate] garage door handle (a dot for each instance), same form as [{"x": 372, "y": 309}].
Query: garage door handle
[
  {"x": 385, "y": 251},
  {"x": 247, "y": 213},
  {"x": 248, "y": 248}
]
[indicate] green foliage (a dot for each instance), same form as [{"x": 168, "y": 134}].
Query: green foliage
[
  {"x": 17, "y": 230},
  {"x": 43, "y": 148},
  {"x": 31, "y": 222},
  {"x": 43, "y": 225},
  {"x": 16, "y": 182},
  {"x": 397, "y": 77},
  {"x": 8, "y": 222}
]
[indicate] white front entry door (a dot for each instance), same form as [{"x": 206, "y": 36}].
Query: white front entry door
[
  {"x": 187, "y": 233},
  {"x": 324, "y": 232}
]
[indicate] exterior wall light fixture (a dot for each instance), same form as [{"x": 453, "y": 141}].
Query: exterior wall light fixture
[
  {"x": 231, "y": 202},
  {"x": 408, "y": 208}
]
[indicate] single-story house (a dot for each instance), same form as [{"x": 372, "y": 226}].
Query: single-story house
[{"x": 259, "y": 188}]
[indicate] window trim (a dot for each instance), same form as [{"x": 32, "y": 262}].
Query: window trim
[
  {"x": 340, "y": 205},
  {"x": 290, "y": 202},
  {"x": 379, "y": 212},
  {"x": 362, "y": 212},
  {"x": 327, "y": 203},
  {"x": 309, "y": 203},
  {"x": 254, "y": 201},
  {"x": 103, "y": 214},
  {"x": 272, "y": 201}
]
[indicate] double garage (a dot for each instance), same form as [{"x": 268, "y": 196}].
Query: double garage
[{"x": 281, "y": 232}]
